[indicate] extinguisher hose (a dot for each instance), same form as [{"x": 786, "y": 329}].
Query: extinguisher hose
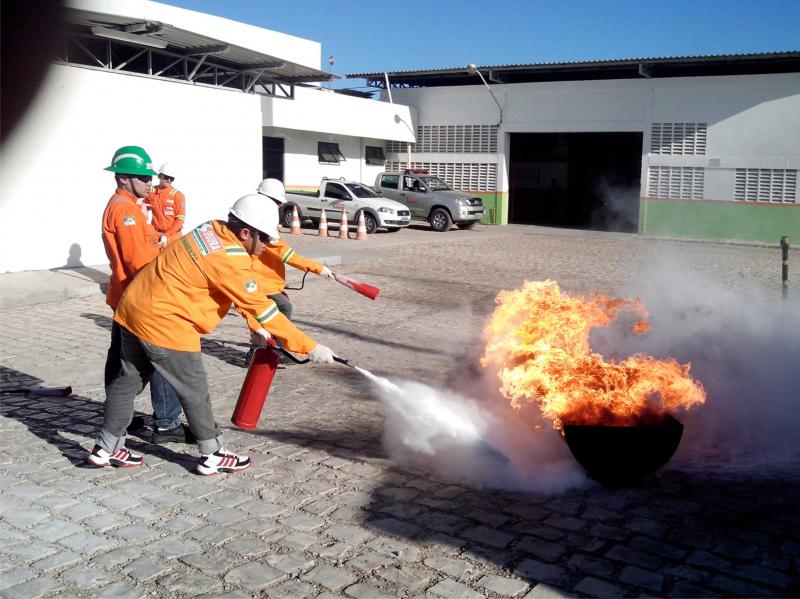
[{"x": 302, "y": 283}]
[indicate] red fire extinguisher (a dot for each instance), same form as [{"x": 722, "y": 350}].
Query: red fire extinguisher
[
  {"x": 258, "y": 381},
  {"x": 256, "y": 387}
]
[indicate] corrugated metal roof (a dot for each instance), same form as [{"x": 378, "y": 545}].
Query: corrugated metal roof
[
  {"x": 181, "y": 41},
  {"x": 657, "y": 66}
]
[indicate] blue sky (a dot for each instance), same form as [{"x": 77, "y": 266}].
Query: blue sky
[{"x": 377, "y": 36}]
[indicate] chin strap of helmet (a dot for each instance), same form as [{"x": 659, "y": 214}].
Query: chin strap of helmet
[{"x": 253, "y": 240}]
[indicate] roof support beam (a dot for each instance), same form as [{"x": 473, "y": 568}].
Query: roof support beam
[
  {"x": 134, "y": 57},
  {"x": 197, "y": 66}
]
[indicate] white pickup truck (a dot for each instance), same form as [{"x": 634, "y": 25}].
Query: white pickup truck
[{"x": 336, "y": 194}]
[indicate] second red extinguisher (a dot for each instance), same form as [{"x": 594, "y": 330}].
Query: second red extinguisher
[{"x": 256, "y": 387}]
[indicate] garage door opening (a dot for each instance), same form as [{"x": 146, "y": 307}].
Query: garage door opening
[{"x": 575, "y": 180}]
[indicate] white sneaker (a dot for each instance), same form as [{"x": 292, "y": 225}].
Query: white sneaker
[
  {"x": 121, "y": 458},
  {"x": 222, "y": 460}
]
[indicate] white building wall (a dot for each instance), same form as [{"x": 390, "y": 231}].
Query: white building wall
[
  {"x": 753, "y": 121},
  {"x": 327, "y": 112},
  {"x": 302, "y": 168},
  {"x": 54, "y": 188}
]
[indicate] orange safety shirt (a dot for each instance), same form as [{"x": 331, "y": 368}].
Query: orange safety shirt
[
  {"x": 189, "y": 288},
  {"x": 129, "y": 241},
  {"x": 272, "y": 264},
  {"x": 169, "y": 211}
]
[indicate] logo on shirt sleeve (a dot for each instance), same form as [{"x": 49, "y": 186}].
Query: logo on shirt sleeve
[
  {"x": 129, "y": 221},
  {"x": 251, "y": 286},
  {"x": 206, "y": 239}
]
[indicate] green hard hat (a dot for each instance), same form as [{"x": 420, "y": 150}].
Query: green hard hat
[{"x": 131, "y": 160}]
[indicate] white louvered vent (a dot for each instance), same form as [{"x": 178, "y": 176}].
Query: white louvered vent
[
  {"x": 678, "y": 139},
  {"x": 679, "y": 182},
  {"x": 460, "y": 139},
  {"x": 766, "y": 185},
  {"x": 399, "y": 147},
  {"x": 466, "y": 176}
]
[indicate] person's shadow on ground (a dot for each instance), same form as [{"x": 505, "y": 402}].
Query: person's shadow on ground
[{"x": 58, "y": 420}]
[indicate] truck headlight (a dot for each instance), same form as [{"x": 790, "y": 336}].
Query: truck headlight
[
  {"x": 386, "y": 210},
  {"x": 462, "y": 202}
]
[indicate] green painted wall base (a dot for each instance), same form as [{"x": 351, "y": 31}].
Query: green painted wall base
[
  {"x": 496, "y": 205},
  {"x": 746, "y": 221}
]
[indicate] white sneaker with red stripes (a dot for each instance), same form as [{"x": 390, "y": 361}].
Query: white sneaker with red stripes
[
  {"x": 121, "y": 458},
  {"x": 222, "y": 460}
]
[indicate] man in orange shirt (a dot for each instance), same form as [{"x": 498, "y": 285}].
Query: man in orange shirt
[
  {"x": 131, "y": 244},
  {"x": 272, "y": 264},
  {"x": 184, "y": 293},
  {"x": 168, "y": 206}
]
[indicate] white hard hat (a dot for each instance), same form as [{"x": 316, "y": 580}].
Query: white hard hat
[
  {"x": 273, "y": 188},
  {"x": 253, "y": 210},
  {"x": 167, "y": 169}
]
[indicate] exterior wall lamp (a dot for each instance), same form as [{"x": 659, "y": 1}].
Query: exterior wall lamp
[{"x": 473, "y": 70}]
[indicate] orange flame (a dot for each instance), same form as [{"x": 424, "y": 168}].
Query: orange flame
[{"x": 538, "y": 337}]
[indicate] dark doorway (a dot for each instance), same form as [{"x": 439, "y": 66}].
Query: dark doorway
[
  {"x": 272, "y": 157},
  {"x": 576, "y": 180}
]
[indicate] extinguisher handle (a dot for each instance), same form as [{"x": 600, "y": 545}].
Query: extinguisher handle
[
  {"x": 297, "y": 360},
  {"x": 292, "y": 357}
]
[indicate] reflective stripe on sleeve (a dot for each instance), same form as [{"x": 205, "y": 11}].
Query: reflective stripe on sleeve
[
  {"x": 268, "y": 314},
  {"x": 287, "y": 255}
]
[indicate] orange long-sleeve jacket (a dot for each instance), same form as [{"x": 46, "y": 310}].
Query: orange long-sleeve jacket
[
  {"x": 169, "y": 211},
  {"x": 188, "y": 289},
  {"x": 271, "y": 270},
  {"x": 129, "y": 241},
  {"x": 272, "y": 264}
]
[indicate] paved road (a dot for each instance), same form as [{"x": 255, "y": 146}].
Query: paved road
[{"x": 330, "y": 510}]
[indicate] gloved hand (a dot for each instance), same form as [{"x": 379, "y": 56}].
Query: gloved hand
[
  {"x": 162, "y": 241},
  {"x": 326, "y": 273},
  {"x": 321, "y": 355},
  {"x": 260, "y": 338}
]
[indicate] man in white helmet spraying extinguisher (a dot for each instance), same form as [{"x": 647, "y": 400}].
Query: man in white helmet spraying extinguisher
[
  {"x": 272, "y": 264},
  {"x": 188, "y": 290}
]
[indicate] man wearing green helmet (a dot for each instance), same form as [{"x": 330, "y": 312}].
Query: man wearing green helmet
[{"x": 131, "y": 243}]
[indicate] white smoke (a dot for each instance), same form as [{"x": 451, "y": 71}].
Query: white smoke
[
  {"x": 743, "y": 341},
  {"x": 476, "y": 444}
]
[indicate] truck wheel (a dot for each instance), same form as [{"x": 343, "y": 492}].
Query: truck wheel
[
  {"x": 468, "y": 225},
  {"x": 440, "y": 220},
  {"x": 371, "y": 223},
  {"x": 287, "y": 216}
]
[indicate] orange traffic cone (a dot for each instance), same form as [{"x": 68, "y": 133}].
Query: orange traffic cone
[
  {"x": 361, "y": 232},
  {"x": 295, "y": 221},
  {"x": 323, "y": 224},
  {"x": 343, "y": 226}
]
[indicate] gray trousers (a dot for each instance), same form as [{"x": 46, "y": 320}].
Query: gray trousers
[{"x": 182, "y": 370}]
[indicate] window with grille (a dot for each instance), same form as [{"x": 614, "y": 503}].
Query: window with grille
[
  {"x": 678, "y": 139},
  {"x": 678, "y": 182},
  {"x": 452, "y": 139},
  {"x": 465, "y": 176},
  {"x": 329, "y": 152},
  {"x": 375, "y": 155},
  {"x": 765, "y": 185}
]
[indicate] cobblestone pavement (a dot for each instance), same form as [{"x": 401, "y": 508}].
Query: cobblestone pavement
[{"x": 324, "y": 512}]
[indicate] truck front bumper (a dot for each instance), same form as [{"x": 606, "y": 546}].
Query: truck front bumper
[{"x": 469, "y": 213}]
